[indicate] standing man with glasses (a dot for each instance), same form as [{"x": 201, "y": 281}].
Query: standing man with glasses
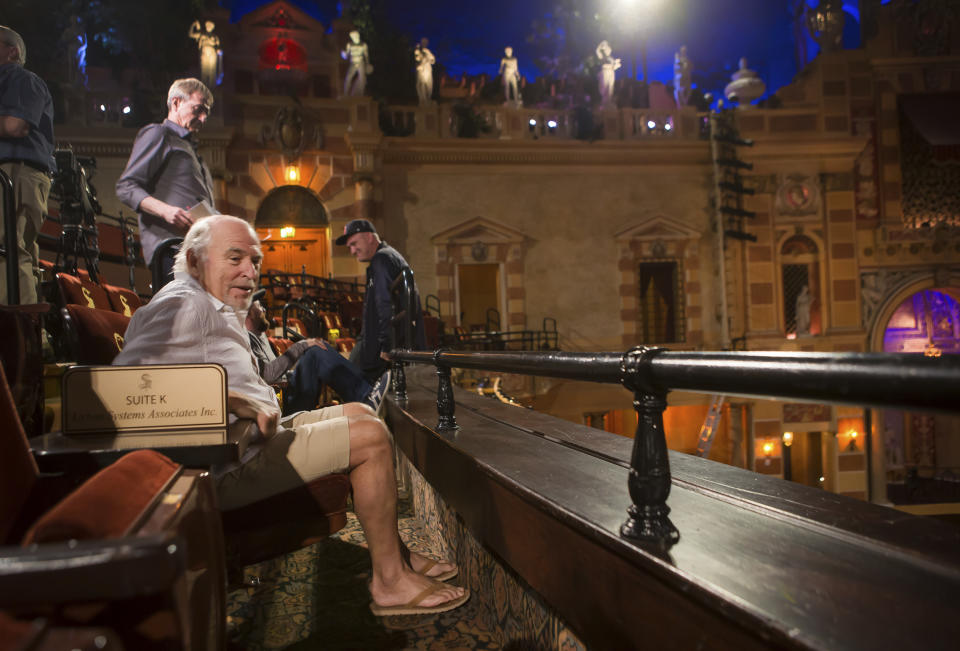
[
  {"x": 166, "y": 176},
  {"x": 26, "y": 155}
]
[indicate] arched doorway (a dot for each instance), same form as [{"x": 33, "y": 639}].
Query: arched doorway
[
  {"x": 920, "y": 451},
  {"x": 294, "y": 230}
]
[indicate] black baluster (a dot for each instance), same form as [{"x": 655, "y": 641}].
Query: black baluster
[
  {"x": 649, "y": 481},
  {"x": 399, "y": 384},
  {"x": 445, "y": 402}
]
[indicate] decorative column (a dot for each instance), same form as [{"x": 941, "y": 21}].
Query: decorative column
[{"x": 649, "y": 481}]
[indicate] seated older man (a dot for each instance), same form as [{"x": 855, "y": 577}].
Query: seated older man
[{"x": 199, "y": 317}]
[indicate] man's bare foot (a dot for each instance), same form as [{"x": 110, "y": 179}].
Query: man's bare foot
[
  {"x": 433, "y": 568},
  {"x": 408, "y": 586}
]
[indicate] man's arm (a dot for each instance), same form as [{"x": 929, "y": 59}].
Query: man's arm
[
  {"x": 376, "y": 344},
  {"x": 273, "y": 370},
  {"x": 133, "y": 187},
  {"x": 13, "y": 127},
  {"x": 22, "y": 103},
  {"x": 266, "y": 416}
]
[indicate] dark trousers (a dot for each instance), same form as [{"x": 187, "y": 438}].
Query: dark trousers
[{"x": 319, "y": 366}]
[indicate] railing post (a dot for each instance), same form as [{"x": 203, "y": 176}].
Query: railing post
[
  {"x": 399, "y": 383},
  {"x": 445, "y": 401},
  {"x": 649, "y": 481}
]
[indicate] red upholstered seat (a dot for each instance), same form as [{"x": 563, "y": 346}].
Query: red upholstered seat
[
  {"x": 99, "y": 333},
  {"x": 77, "y": 291},
  {"x": 122, "y": 300},
  {"x": 107, "y": 504},
  {"x": 144, "y": 522},
  {"x": 20, "y": 471}
]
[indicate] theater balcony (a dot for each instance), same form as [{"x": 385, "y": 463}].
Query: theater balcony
[{"x": 571, "y": 537}]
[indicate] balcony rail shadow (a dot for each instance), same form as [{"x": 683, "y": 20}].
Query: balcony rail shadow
[{"x": 867, "y": 379}]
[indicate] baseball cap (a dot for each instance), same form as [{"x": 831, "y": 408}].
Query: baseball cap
[{"x": 353, "y": 227}]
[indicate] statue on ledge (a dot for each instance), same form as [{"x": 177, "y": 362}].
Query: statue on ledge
[
  {"x": 211, "y": 56},
  {"x": 355, "y": 81},
  {"x": 424, "y": 59},
  {"x": 682, "y": 83},
  {"x": 510, "y": 71},
  {"x": 608, "y": 73}
]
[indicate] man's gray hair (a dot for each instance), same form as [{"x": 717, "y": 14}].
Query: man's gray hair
[
  {"x": 10, "y": 37},
  {"x": 197, "y": 240},
  {"x": 184, "y": 88}
]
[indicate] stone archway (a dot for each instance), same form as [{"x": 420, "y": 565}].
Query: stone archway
[
  {"x": 294, "y": 229},
  {"x": 901, "y": 318}
]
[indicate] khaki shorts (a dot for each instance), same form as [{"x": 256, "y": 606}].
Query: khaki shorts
[{"x": 309, "y": 445}]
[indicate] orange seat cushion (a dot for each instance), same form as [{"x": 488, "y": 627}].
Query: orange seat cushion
[
  {"x": 122, "y": 301},
  {"x": 107, "y": 504},
  {"x": 83, "y": 292},
  {"x": 100, "y": 333}
]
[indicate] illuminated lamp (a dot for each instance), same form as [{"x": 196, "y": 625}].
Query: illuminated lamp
[
  {"x": 292, "y": 173},
  {"x": 552, "y": 124},
  {"x": 651, "y": 125},
  {"x": 788, "y": 439},
  {"x": 126, "y": 110},
  {"x": 287, "y": 232},
  {"x": 532, "y": 122},
  {"x": 668, "y": 127},
  {"x": 768, "y": 448},
  {"x": 852, "y": 445}
]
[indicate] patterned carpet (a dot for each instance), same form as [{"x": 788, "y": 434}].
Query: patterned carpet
[{"x": 317, "y": 598}]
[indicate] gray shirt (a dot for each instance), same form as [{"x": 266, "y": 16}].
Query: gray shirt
[
  {"x": 272, "y": 368},
  {"x": 24, "y": 95},
  {"x": 185, "y": 324},
  {"x": 164, "y": 164}
]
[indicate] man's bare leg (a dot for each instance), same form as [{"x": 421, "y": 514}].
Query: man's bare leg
[
  {"x": 417, "y": 561},
  {"x": 394, "y": 581}
]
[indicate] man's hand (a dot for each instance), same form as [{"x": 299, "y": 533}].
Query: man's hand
[
  {"x": 13, "y": 127},
  {"x": 176, "y": 217},
  {"x": 318, "y": 342},
  {"x": 266, "y": 416},
  {"x": 385, "y": 355}
]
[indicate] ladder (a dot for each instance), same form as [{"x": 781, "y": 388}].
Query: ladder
[{"x": 709, "y": 428}]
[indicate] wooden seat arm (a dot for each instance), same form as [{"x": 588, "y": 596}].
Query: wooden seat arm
[{"x": 69, "y": 572}]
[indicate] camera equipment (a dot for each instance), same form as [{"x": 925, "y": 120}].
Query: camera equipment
[{"x": 78, "y": 210}]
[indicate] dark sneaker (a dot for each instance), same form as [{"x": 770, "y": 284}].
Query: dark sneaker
[{"x": 379, "y": 390}]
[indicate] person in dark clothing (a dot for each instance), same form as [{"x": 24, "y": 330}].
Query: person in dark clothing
[
  {"x": 26, "y": 155},
  {"x": 308, "y": 364},
  {"x": 377, "y": 336}
]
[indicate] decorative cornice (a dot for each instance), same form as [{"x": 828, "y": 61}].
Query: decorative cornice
[{"x": 402, "y": 151}]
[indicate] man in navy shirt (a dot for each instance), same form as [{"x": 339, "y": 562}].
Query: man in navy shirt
[
  {"x": 165, "y": 175},
  {"x": 26, "y": 155}
]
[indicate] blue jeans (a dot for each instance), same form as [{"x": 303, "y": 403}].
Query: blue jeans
[{"x": 318, "y": 366}]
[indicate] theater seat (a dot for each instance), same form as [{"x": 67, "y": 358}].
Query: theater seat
[
  {"x": 83, "y": 292},
  {"x": 96, "y": 335},
  {"x": 136, "y": 548},
  {"x": 122, "y": 300}
]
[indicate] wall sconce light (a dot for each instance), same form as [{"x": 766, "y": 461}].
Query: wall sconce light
[
  {"x": 287, "y": 232},
  {"x": 292, "y": 174},
  {"x": 768, "y": 448},
  {"x": 852, "y": 445},
  {"x": 788, "y": 439}
]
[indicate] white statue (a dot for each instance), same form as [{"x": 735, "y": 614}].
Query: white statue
[
  {"x": 424, "y": 59},
  {"x": 608, "y": 73},
  {"x": 75, "y": 39},
  {"x": 511, "y": 75},
  {"x": 355, "y": 81},
  {"x": 211, "y": 56},
  {"x": 803, "y": 304},
  {"x": 682, "y": 84}
]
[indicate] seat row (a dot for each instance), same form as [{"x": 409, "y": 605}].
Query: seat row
[{"x": 132, "y": 542}]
